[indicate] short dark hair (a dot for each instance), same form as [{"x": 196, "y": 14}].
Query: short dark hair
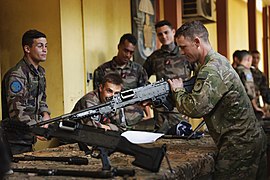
[
  {"x": 242, "y": 54},
  {"x": 30, "y": 35},
  {"x": 113, "y": 78},
  {"x": 132, "y": 39},
  {"x": 192, "y": 29},
  {"x": 254, "y": 52},
  {"x": 163, "y": 23},
  {"x": 237, "y": 54}
]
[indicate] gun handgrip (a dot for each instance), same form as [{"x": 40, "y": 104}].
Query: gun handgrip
[{"x": 146, "y": 158}]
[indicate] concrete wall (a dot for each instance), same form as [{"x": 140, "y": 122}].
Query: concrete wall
[
  {"x": 104, "y": 23},
  {"x": 72, "y": 50}
]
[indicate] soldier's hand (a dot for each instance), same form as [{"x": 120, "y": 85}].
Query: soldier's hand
[
  {"x": 175, "y": 83},
  {"x": 41, "y": 138}
]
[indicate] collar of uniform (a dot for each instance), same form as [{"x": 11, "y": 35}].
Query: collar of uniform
[
  {"x": 97, "y": 94},
  {"x": 116, "y": 66},
  {"x": 31, "y": 66},
  {"x": 208, "y": 56},
  {"x": 171, "y": 48}
]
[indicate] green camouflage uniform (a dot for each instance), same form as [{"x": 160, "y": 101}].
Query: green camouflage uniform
[
  {"x": 261, "y": 84},
  {"x": 92, "y": 99},
  {"x": 220, "y": 98},
  {"x": 23, "y": 99},
  {"x": 247, "y": 80},
  {"x": 133, "y": 76},
  {"x": 167, "y": 63}
]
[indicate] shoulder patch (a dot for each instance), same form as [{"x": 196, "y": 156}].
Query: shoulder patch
[
  {"x": 249, "y": 77},
  {"x": 198, "y": 85},
  {"x": 15, "y": 86}
]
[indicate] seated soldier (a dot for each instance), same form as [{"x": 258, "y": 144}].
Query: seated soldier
[{"x": 110, "y": 85}]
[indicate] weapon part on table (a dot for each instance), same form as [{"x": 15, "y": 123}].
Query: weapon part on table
[
  {"x": 196, "y": 129},
  {"x": 77, "y": 173},
  {"x": 70, "y": 160}
]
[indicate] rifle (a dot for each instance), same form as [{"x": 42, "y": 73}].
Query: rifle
[
  {"x": 70, "y": 160},
  {"x": 74, "y": 173}
]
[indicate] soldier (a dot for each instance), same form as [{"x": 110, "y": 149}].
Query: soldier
[
  {"x": 132, "y": 73},
  {"x": 243, "y": 69},
  {"x": 236, "y": 56},
  {"x": 166, "y": 63},
  {"x": 260, "y": 80},
  {"x": 111, "y": 84},
  {"x": 220, "y": 98},
  {"x": 23, "y": 92}
]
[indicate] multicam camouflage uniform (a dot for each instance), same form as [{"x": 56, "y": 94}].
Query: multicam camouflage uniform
[
  {"x": 220, "y": 98},
  {"x": 133, "y": 76},
  {"x": 167, "y": 63},
  {"x": 91, "y": 99},
  {"x": 23, "y": 99}
]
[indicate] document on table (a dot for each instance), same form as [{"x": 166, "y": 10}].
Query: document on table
[{"x": 141, "y": 137}]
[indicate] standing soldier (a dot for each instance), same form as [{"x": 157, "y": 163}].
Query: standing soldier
[
  {"x": 221, "y": 99},
  {"x": 167, "y": 63},
  {"x": 23, "y": 93},
  {"x": 132, "y": 74}
]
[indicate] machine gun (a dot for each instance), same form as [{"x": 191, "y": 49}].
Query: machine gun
[{"x": 158, "y": 93}]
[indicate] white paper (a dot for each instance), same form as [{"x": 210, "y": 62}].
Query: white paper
[{"x": 141, "y": 137}]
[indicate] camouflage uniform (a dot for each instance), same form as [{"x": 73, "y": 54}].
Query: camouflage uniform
[
  {"x": 133, "y": 76},
  {"x": 261, "y": 84},
  {"x": 247, "y": 80},
  {"x": 167, "y": 63},
  {"x": 92, "y": 99},
  {"x": 220, "y": 98},
  {"x": 24, "y": 100}
]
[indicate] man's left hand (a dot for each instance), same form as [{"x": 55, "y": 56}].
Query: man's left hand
[{"x": 175, "y": 83}]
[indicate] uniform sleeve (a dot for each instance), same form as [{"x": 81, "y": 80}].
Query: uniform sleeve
[
  {"x": 143, "y": 78},
  {"x": 208, "y": 90},
  {"x": 148, "y": 67},
  {"x": 85, "y": 102},
  {"x": 43, "y": 106},
  {"x": 264, "y": 89},
  {"x": 249, "y": 87},
  {"x": 16, "y": 95},
  {"x": 97, "y": 78}
]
